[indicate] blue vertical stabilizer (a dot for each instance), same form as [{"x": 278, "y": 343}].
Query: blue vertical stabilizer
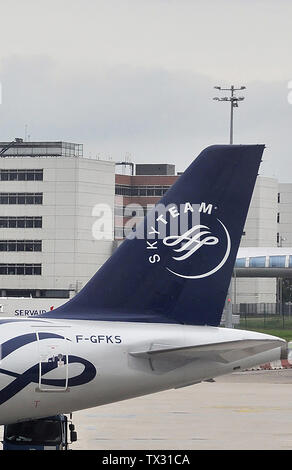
[{"x": 177, "y": 266}]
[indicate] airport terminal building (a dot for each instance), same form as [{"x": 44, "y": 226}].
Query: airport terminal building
[
  {"x": 49, "y": 203},
  {"x": 48, "y": 192}
]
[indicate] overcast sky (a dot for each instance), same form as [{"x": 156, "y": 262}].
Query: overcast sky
[{"x": 135, "y": 77}]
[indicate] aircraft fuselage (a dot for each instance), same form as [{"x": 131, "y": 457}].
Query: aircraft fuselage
[{"x": 49, "y": 367}]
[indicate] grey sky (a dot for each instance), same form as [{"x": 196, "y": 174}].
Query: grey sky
[{"x": 136, "y": 76}]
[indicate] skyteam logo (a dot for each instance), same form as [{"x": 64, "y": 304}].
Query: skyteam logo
[{"x": 191, "y": 253}]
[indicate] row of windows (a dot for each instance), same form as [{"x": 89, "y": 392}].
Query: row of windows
[
  {"x": 123, "y": 190},
  {"x": 21, "y": 198},
  {"x": 21, "y": 269},
  {"x": 262, "y": 262},
  {"x": 21, "y": 175},
  {"x": 37, "y": 293},
  {"x": 20, "y": 245},
  {"x": 132, "y": 210},
  {"x": 21, "y": 222}
]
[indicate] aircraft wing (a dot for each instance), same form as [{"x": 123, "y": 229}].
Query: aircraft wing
[{"x": 222, "y": 352}]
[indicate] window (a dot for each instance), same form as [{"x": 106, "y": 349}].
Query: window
[
  {"x": 20, "y": 269},
  {"x": 134, "y": 191},
  {"x": 3, "y": 198},
  {"x": 123, "y": 190},
  {"x": 20, "y": 245},
  {"x": 12, "y": 175},
  {"x": 141, "y": 190},
  {"x": 21, "y": 175},
  {"x": 45, "y": 432},
  {"x": 21, "y": 222},
  {"x": 38, "y": 175},
  {"x": 277, "y": 261},
  {"x": 33, "y": 222},
  {"x": 21, "y": 198},
  {"x": 150, "y": 191},
  {"x": 158, "y": 191},
  {"x": 257, "y": 262},
  {"x": 4, "y": 175},
  {"x": 47, "y": 293},
  {"x": 240, "y": 263}
]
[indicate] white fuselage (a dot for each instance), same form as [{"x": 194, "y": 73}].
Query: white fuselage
[{"x": 95, "y": 365}]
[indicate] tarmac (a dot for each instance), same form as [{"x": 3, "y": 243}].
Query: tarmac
[{"x": 249, "y": 410}]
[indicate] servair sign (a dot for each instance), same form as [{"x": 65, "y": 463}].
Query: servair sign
[
  {"x": 27, "y": 307},
  {"x": 29, "y": 312}
]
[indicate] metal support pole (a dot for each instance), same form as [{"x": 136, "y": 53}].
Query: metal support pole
[
  {"x": 228, "y": 319},
  {"x": 233, "y": 104},
  {"x": 231, "y": 114}
]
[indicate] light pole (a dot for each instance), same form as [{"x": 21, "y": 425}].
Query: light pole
[{"x": 233, "y": 104}]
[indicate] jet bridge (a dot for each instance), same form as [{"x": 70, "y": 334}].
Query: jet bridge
[{"x": 264, "y": 262}]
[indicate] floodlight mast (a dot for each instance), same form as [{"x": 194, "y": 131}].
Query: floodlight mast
[{"x": 233, "y": 104}]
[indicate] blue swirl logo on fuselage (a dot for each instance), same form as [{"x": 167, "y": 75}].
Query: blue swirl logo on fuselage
[{"x": 32, "y": 375}]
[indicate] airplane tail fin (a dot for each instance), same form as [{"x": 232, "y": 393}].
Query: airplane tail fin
[{"x": 177, "y": 265}]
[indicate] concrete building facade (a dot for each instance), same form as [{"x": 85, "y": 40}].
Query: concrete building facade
[
  {"x": 47, "y": 201},
  {"x": 260, "y": 230},
  {"x": 284, "y": 215}
]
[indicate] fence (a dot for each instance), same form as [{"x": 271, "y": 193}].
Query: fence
[{"x": 264, "y": 315}]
